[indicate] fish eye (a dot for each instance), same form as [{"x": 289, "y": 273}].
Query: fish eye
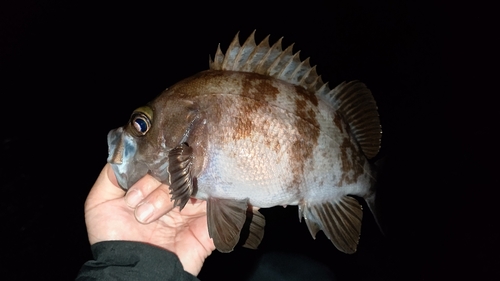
[
  {"x": 140, "y": 123},
  {"x": 141, "y": 120}
]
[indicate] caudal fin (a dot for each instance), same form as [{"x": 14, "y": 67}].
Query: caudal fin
[
  {"x": 372, "y": 197},
  {"x": 371, "y": 201}
]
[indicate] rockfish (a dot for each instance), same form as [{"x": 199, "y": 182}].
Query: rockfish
[{"x": 259, "y": 128}]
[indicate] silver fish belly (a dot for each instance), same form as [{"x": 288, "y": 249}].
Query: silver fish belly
[{"x": 258, "y": 129}]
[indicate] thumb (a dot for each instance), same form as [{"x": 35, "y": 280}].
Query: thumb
[{"x": 105, "y": 188}]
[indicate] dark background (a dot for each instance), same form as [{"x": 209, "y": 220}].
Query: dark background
[{"x": 73, "y": 70}]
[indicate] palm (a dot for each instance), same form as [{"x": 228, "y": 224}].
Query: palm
[{"x": 185, "y": 233}]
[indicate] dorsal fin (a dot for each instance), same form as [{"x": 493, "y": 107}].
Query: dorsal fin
[
  {"x": 267, "y": 60},
  {"x": 353, "y": 100},
  {"x": 356, "y": 104}
]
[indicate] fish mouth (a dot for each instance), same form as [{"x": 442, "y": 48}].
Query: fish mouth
[{"x": 122, "y": 149}]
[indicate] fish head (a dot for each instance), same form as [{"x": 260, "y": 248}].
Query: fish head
[
  {"x": 129, "y": 147},
  {"x": 142, "y": 146}
]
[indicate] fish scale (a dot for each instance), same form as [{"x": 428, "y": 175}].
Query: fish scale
[
  {"x": 252, "y": 157},
  {"x": 258, "y": 129}
]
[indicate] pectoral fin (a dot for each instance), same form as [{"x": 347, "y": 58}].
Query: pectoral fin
[
  {"x": 340, "y": 221},
  {"x": 226, "y": 218},
  {"x": 179, "y": 167},
  {"x": 256, "y": 229}
]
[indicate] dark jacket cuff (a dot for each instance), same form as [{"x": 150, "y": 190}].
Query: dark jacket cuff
[{"x": 126, "y": 260}]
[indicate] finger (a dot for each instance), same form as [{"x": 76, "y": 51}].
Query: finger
[
  {"x": 105, "y": 188},
  {"x": 155, "y": 205},
  {"x": 140, "y": 190}
]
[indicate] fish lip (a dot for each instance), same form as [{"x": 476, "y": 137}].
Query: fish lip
[
  {"x": 114, "y": 142},
  {"x": 121, "y": 178},
  {"x": 128, "y": 169},
  {"x": 115, "y": 156},
  {"x": 122, "y": 149},
  {"x": 128, "y": 178}
]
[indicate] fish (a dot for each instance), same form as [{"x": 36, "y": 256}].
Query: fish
[{"x": 258, "y": 129}]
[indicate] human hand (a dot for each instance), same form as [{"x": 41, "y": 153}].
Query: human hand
[{"x": 110, "y": 215}]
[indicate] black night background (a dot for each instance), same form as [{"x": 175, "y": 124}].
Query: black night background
[{"x": 70, "y": 71}]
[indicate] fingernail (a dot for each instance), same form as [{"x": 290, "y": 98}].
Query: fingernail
[
  {"x": 144, "y": 212},
  {"x": 133, "y": 198}
]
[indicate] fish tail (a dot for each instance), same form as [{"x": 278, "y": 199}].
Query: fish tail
[
  {"x": 371, "y": 197},
  {"x": 371, "y": 201}
]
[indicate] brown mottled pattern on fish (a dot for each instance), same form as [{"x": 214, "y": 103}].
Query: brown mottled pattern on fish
[
  {"x": 258, "y": 129},
  {"x": 352, "y": 167},
  {"x": 337, "y": 119}
]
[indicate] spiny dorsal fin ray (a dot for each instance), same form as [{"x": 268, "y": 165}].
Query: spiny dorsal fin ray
[
  {"x": 354, "y": 101},
  {"x": 245, "y": 51},
  {"x": 288, "y": 70},
  {"x": 300, "y": 71},
  {"x": 231, "y": 54},
  {"x": 272, "y": 53},
  {"x": 267, "y": 60},
  {"x": 257, "y": 55},
  {"x": 218, "y": 59},
  {"x": 281, "y": 62}
]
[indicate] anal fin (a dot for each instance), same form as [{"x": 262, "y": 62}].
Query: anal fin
[
  {"x": 340, "y": 221},
  {"x": 226, "y": 218}
]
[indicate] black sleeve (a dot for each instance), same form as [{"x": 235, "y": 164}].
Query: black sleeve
[{"x": 125, "y": 260}]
